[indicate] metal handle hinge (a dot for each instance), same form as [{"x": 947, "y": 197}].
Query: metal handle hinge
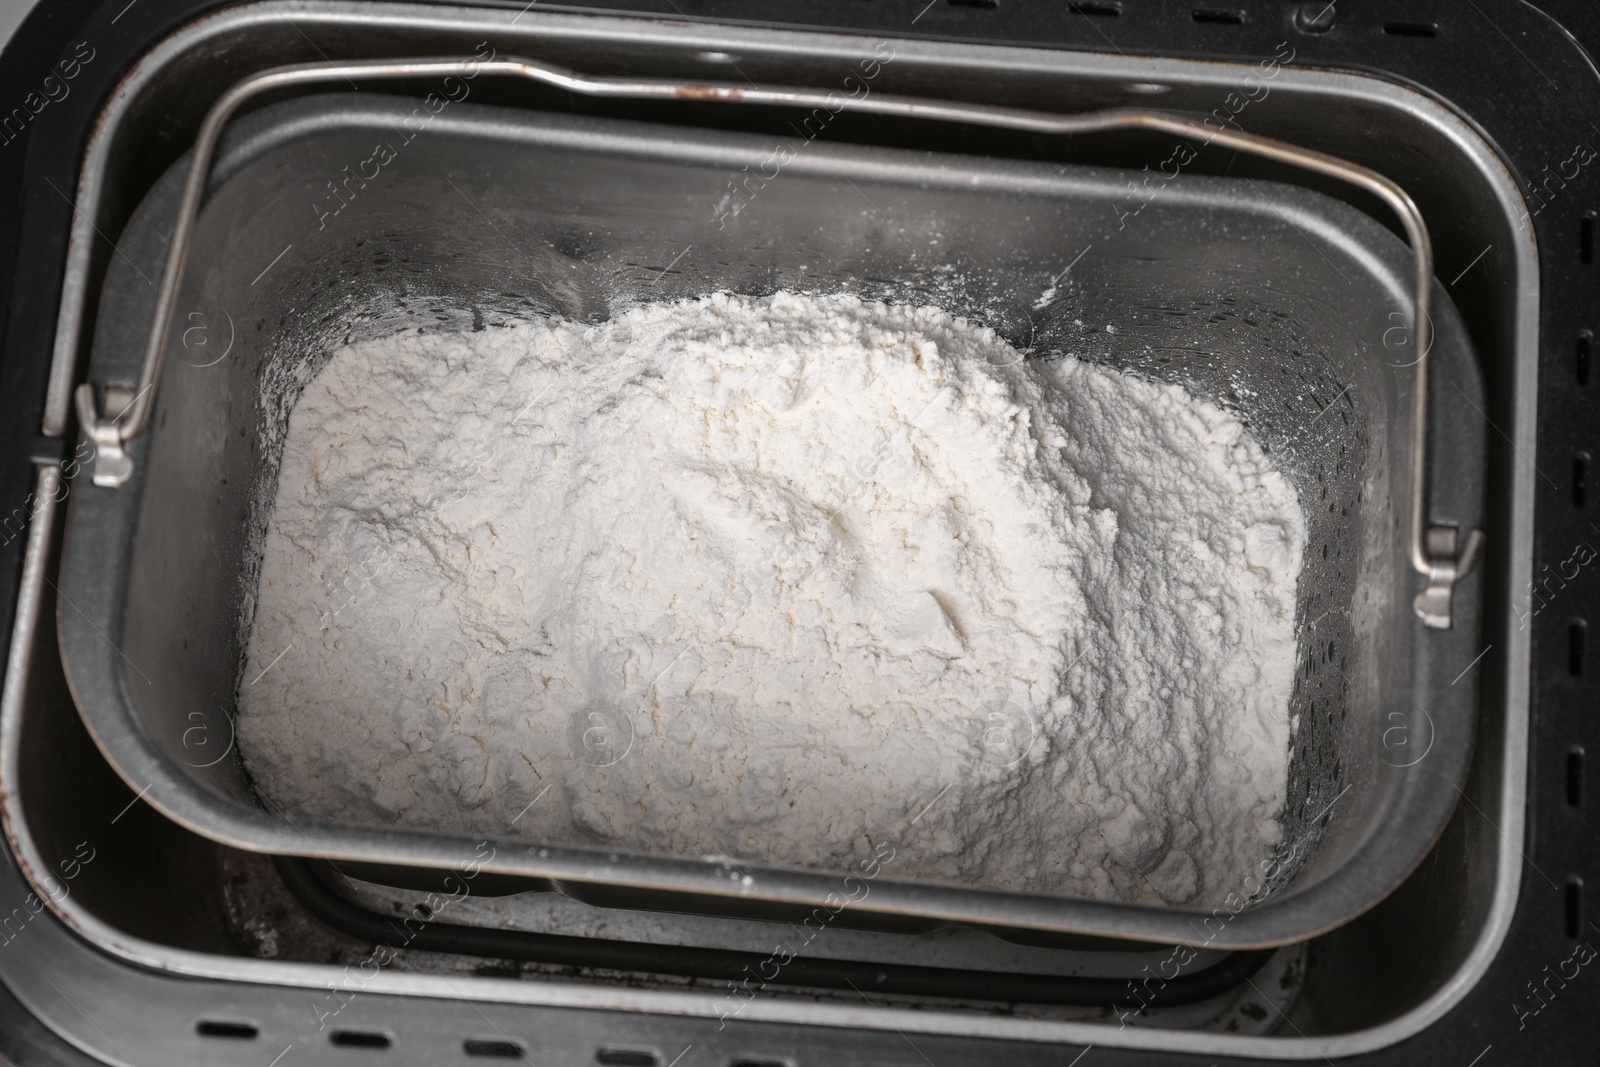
[
  {"x": 112, "y": 464},
  {"x": 1445, "y": 568}
]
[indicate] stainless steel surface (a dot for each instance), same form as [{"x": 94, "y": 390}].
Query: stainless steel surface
[
  {"x": 1442, "y": 935},
  {"x": 1265, "y": 297},
  {"x": 1433, "y": 549}
]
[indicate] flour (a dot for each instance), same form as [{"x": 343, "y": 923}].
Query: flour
[{"x": 774, "y": 579}]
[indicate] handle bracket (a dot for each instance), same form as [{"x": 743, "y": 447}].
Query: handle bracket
[
  {"x": 1445, "y": 568},
  {"x": 111, "y": 463}
]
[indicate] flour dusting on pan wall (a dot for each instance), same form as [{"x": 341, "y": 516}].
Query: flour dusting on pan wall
[{"x": 771, "y": 579}]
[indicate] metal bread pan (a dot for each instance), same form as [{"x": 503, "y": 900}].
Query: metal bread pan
[{"x": 1271, "y": 299}]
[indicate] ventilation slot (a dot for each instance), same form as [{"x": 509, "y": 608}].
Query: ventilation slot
[
  {"x": 627, "y": 1057},
  {"x": 500, "y": 1050},
  {"x": 1580, "y": 479},
  {"x": 1215, "y": 17},
  {"x": 1104, "y": 9},
  {"x": 974, "y": 3},
  {"x": 1580, "y": 358},
  {"x": 1576, "y": 638},
  {"x": 359, "y": 1039},
  {"x": 1586, "y": 238},
  {"x": 1575, "y": 777},
  {"x": 760, "y": 1063},
  {"x": 1574, "y": 907},
  {"x": 213, "y": 1028},
  {"x": 1410, "y": 29}
]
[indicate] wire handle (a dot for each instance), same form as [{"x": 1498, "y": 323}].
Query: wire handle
[{"x": 1433, "y": 551}]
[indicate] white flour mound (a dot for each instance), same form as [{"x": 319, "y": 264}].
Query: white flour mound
[{"x": 776, "y": 579}]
